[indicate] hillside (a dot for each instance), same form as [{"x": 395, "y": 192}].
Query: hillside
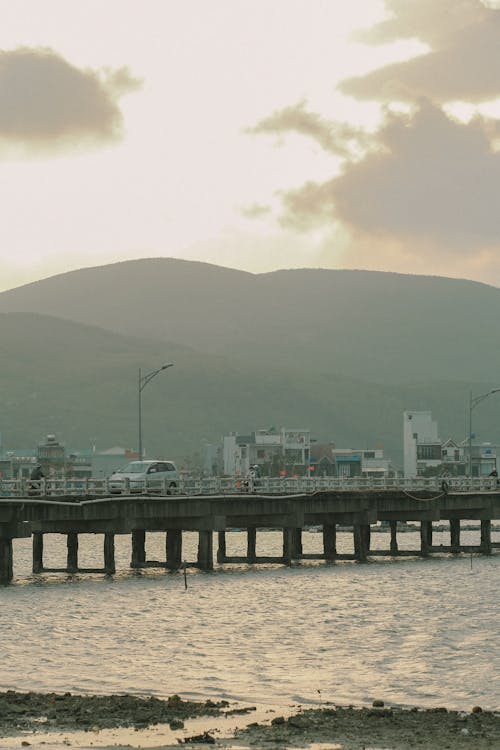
[
  {"x": 373, "y": 326},
  {"x": 80, "y": 382}
]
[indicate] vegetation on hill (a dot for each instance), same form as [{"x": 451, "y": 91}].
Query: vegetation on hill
[
  {"x": 366, "y": 325},
  {"x": 80, "y": 382}
]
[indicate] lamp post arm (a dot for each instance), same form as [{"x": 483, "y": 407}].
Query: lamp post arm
[{"x": 145, "y": 379}]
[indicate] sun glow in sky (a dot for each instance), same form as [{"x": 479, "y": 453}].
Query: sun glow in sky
[{"x": 257, "y": 134}]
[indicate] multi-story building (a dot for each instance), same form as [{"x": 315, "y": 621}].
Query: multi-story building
[
  {"x": 421, "y": 443},
  {"x": 275, "y": 452}
]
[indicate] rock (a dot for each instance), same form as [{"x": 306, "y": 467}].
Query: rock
[
  {"x": 378, "y": 704},
  {"x": 204, "y": 738},
  {"x": 176, "y": 724}
]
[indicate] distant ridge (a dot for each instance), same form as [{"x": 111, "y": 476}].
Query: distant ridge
[{"x": 368, "y": 325}]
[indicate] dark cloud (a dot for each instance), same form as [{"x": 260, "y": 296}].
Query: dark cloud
[
  {"x": 337, "y": 138},
  {"x": 429, "y": 179},
  {"x": 464, "y": 58},
  {"x": 46, "y": 103}
]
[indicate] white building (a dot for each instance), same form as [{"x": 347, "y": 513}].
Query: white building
[{"x": 421, "y": 444}]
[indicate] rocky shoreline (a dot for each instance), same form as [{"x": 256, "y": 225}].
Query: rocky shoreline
[
  {"x": 384, "y": 727},
  {"x": 21, "y": 712},
  {"x": 29, "y": 716}
]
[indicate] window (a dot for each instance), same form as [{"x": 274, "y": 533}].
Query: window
[{"x": 429, "y": 452}]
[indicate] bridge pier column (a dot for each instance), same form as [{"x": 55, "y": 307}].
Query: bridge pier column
[
  {"x": 425, "y": 537},
  {"x": 138, "y": 548},
  {"x": 367, "y": 536},
  {"x": 109, "y": 553},
  {"x": 330, "y": 541},
  {"x": 455, "y": 535},
  {"x": 6, "y": 561},
  {"x": 393, "y": 525},
  {"x": 205, "y": 550},
  {"x": 221, "y": 549},
  {"x": 360, "y": 539},
  {"x": 297, "y": 543},
  {"x": 486, "y": 537},
  {"x": 287, "y": 545},
  {"x": 251, "y": 545},
  {"x": 72, "y": 552},
  {"x": 37, "y": 548},
  {"x": 173, "y": 546}
]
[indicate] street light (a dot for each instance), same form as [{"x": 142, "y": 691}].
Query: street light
[
  {"x": 142, "y": 383},
  {"x": 473, "y": 402}
]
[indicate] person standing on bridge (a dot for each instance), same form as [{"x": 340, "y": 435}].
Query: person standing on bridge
[{"x": 36, "y": 476}]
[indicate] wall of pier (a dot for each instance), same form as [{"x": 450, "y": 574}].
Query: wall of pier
[{"x": 212, "y": 517}]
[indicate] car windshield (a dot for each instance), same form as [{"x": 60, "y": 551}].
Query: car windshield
[{"x": 136, "y": 467}]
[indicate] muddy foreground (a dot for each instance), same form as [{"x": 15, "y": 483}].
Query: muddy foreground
[{"x": 29, "y": 716}]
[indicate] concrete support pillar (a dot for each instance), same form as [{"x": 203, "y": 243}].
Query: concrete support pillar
[
  {"x": 367, "y": 536},
  {"x": 393, "y": 525},
  {"x": 359, "y": 536},
  {"x": 287, "y": 545},
  {"x": 109, "y": 553},
  {"x": 297, "y": 543},
  {"x": 138, "y": 548},
  {"x": 205, "y": 550},
  {"x": 330, "y": 541},
  {"x": 173, "y": 545},
  {"x": 37, "y": 546},
  {"x": 221, "y": 547},
  {"x": 251, "y": 545},
  {"x": 72, "y": 552},
  {"x": 486, "y": 537},
  {"x": 455, "y": 534},
  {"x": 6, "y": 566},
  {"x": 425, "y": 537}
]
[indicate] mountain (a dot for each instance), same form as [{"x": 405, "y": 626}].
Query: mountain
[
  {"x": 366, "y": 325},
  {"x": 80, "y": 382}
]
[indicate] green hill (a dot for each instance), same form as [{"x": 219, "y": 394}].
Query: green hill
[
  {"x": 80, "y": 382},
  {"x": 378, "y": 327}
]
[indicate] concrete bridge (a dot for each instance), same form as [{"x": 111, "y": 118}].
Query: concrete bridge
[{"x": 353, "y": 507}]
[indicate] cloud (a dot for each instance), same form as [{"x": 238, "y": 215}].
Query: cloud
[
  {"x": 420, "y": 193},
  {"x": 463, "y": 62},
  {"x": 46, "y": 103},
  {"x": 334, "y": 137},
  {"x": 256, "y": 211},
  {"x": 430, "y": 180}
]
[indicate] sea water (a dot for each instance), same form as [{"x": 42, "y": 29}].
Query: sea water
[{"x": 410, "y": 631}]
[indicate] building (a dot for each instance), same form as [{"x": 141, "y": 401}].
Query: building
[
  {"x": 426, "y": 455},
  {"x": 327, "y": 460},
  {"x": 421, "y": 443},
  {"x": 283, "y": 452}
]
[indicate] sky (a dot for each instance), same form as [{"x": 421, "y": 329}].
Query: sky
[{"x": 254, "y": 134}]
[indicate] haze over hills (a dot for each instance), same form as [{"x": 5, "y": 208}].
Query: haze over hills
[
  {"x": 343, "y": 353},
  {"x": 374, "y": 326},
  {"x": 80, "y": 382}
]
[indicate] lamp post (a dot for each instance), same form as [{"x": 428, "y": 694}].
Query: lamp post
[
  {"x": 473, "y": 402},
  {"x": 142, "y": 383}
]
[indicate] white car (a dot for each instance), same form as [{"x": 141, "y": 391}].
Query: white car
[{"x": 145, "y": 477}]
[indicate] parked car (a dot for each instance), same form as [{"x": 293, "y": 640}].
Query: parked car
[{"x": 144, "y": 476}]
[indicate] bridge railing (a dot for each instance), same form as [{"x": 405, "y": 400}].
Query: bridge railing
[{"x": 90, "y": 487}]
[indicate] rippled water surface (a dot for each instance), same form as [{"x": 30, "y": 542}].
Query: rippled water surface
[{"x": 410, "y": 631}]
